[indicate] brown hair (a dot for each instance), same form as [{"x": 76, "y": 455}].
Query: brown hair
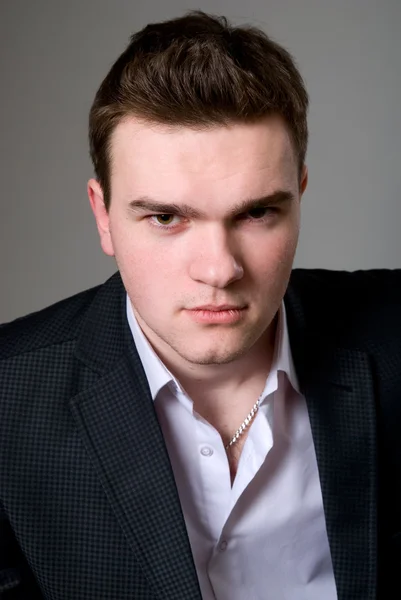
[{"x": 197, "y": 71}]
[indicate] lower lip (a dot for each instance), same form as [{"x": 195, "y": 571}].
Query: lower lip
[{"x": 217, "y": 316}]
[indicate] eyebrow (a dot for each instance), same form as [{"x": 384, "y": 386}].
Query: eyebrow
[{"x": 145, "y": 203}]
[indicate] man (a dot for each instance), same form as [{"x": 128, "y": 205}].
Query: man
[{"x": 208, "y": 423}]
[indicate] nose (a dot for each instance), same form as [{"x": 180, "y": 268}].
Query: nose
[{"x": 215, "y": 262}]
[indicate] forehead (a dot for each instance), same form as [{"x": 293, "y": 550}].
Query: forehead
[{"x": 145, "y": 156}]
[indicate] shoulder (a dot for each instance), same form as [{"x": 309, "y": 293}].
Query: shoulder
[
  {"x": 346, "y": 291},
  {"x": 326, "y": 282},
  {"x": 352, "y": 307},
  {"x": 55, "y": 324}
]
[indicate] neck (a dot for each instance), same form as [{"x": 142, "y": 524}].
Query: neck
[{"x": 224, "y": 394}]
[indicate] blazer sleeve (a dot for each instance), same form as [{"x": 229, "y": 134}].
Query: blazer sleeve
[{"x": 17, "y": 581}]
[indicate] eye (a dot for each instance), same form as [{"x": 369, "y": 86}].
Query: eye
[
  {"x": 164, "y": 219},
  {"x": 258, "y": 212}
]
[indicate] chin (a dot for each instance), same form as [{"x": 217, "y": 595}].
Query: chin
[{"x": 214, "y": 356}]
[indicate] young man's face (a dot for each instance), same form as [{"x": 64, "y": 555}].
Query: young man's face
[{"x": 204, "y": 227}]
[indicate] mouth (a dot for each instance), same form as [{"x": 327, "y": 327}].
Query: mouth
[
  {"x": 217, "y": 314},
  {"x": 217, "y": 307}
]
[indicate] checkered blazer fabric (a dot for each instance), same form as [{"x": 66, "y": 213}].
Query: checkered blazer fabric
[{"x": 88, "y": 503}]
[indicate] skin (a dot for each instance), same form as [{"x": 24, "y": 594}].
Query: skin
[{"x": 226, "y": 254}]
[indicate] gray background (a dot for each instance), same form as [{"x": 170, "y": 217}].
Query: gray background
[{"x": 53, "y": 55}]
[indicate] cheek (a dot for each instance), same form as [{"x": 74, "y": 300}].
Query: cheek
[
  {"x": 149, "y": 274},
  {"x": 272, "y": 257}
]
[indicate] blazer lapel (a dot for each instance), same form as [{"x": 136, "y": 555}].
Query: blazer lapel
[
  {"x": 119, "y": 427},
  {"x": 337, "y": 384},
  {"x": 342, "y": 418}
]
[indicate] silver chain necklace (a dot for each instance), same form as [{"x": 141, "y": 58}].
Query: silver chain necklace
[{"x": 245, "y": 423}]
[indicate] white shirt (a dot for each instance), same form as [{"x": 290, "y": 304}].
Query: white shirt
[{"x": 265, "y": 537}]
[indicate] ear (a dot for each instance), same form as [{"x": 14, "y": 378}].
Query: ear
[
  {"x": 95, "y": 194},
  {"x": 304, "y": 180}
]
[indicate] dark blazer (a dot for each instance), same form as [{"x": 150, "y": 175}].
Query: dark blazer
[{"x": 89, "y": 507}]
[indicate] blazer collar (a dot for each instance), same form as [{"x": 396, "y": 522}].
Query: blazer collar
[{"x": 104, "y": 338}]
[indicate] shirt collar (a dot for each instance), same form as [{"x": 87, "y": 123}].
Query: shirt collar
[
  {"x": 159, "y": 376},
  {"x": 156, "y": 371},
  {"x": 283, "y": 352}
]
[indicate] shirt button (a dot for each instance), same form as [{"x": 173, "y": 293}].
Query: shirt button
[
  {"x": 223, "y": 546},
  {"x": 206, "y": 451}
]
